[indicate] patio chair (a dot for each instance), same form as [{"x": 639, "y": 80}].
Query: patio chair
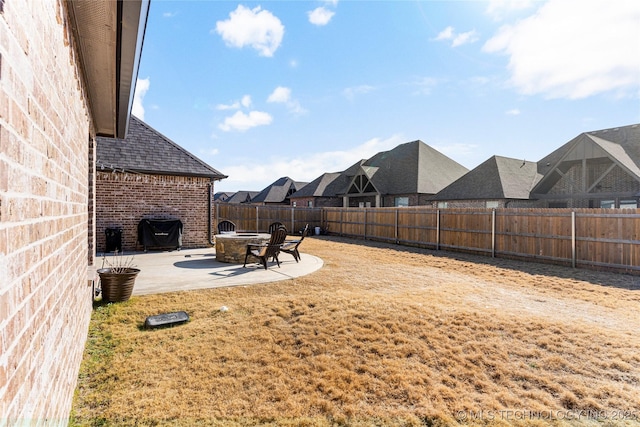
[
  {"x": 269, "y": 250},
  {"x": 274, "y": 226},
  {"x": 226, "y": 226},
  {"x": 291, "y": 246}
]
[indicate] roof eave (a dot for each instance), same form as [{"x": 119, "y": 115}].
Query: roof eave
[{"x": 109, "y": 39}]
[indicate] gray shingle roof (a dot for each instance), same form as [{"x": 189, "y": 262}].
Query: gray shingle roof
[
  {"x": 146, "y": 150},
  {"x": 242, "y": 197},
  {"x": 278, "y": 191},
  {"x": 496, "y": 178},
  {"x": 413, "y": 167},
  {"x": 326, "y": 185}
]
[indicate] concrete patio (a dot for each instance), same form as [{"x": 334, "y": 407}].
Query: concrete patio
[{"x": 189, "y": 269}]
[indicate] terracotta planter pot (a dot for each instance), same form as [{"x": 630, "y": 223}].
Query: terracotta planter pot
[{"x": 117, "y": 287}]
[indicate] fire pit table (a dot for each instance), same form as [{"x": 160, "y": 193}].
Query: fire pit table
[{"x": 232, "y": 247}]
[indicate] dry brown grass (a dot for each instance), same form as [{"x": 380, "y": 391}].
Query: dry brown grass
[{"x": 381, "y": 335}]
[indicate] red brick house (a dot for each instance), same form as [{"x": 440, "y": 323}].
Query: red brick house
[
  {"x": 148, "y": 176},
  {"x": 68, "y": 71}
]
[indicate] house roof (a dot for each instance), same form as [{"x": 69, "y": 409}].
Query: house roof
[
  {"x": 621, "y": 145},
  {"x": 146, "y": 150},
  {"x": 326, "y": 185},
  {"x": 278, "y": 191},
  {"x": 496, "y": 178},
  {"x": 413, "y": 167},
  {"x": 221, "y": 196},
  {"x": 241, "y": 197}
]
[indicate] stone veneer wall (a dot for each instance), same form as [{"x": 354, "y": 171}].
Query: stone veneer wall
[
  {"x": 123, "y": 199},
  {"x": 45, "y": 300}
]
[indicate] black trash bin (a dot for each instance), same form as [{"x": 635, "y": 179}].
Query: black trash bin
[{"x": 114, "y": 239}]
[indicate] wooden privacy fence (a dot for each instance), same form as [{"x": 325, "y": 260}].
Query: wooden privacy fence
[
  {"x": 257, "y": 218},
  {"x": 593, "y": 238}
]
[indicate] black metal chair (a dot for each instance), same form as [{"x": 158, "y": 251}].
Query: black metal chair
[
  {"x": 268, "y": 250},
  {"x": 226, "y": 226},
  {"x": 291, "y": 246}
]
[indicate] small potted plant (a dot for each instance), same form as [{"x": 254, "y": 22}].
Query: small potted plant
[{"x": 117, "y": 277}]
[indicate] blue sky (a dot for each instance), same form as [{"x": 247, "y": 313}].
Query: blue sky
[{"x": 261, "y": 90}]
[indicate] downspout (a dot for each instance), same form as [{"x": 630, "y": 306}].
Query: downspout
[{"x": 210, "y": 214}]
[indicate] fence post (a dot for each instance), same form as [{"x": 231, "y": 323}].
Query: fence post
[
  {"x": 573, "y": 239},
  {"x": 257, "y": 219},
  {"x": 396, "y": 230},
  {"x": 438, "y": 229},
  {"x": 493, "y": 233},
  {"x": 293, "y": 221},
  {"x": 365, "y": 223}
]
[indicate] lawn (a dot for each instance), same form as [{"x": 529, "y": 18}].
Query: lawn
[{"x": 381, "y": 335}]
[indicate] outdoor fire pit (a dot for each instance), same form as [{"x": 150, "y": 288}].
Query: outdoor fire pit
[{"x": 232, "y": 247}]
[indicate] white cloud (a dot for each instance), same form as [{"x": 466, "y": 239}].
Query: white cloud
[
  {"x": 566, "y": 50},
  {"x": 446, "y": 34},
  {"x": 498, "y": 9},
  {"x": 244, "y": 176},
  {"x": 464, "y": 38},
  {"x": 142, "y": 86},
  {"x": 242, "y": 122},
  {"x": 244, "y": 102},
  {"x": 320, "y": 16},
  {"x": 234, "y": 106},
  {"x": 457, "y": 39},
  {"x": 282, "y": 95},
  {"x": 513, "y": 112},
  {"x": 255, "y": 27},
  {"x": 169, "y": 14}
]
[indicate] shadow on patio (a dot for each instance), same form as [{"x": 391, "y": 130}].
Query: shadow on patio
[{"x": 188, "y": 269}]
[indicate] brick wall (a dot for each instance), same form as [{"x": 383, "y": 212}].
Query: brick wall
[
  {"x": 123, "y": 199},
  {"x": 45, "y": 303}
]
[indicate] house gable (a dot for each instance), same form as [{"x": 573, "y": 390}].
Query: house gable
[{"x": 590, "y": 167}]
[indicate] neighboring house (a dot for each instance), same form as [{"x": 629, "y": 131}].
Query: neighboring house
[
  {"x": 498, "y": 182},
  {"x": 322, "y": 191},
  {"x": 407, "y": 175},
  {"x": 278, "y": 192},
  {"x": 68, "y": 71},
  {"x": 146, "y": 175},
  {"x": 598, "y": 169},
  {"x": 221, "y": 196},
  {"x": 242, "y": 197}
]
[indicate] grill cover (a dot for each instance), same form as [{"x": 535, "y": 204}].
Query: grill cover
[{"x": 160, "y": 233}]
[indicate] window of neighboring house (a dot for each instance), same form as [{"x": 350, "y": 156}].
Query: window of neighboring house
[
  {"x": 402, "y": 201},
  {"x": 442, "y": 205},
  {"x": 310, "y": 203},
  {"x": 607, "y": 204},
  {"x": 492, "y": 204},
  {"x": 628, "y": 204}
]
